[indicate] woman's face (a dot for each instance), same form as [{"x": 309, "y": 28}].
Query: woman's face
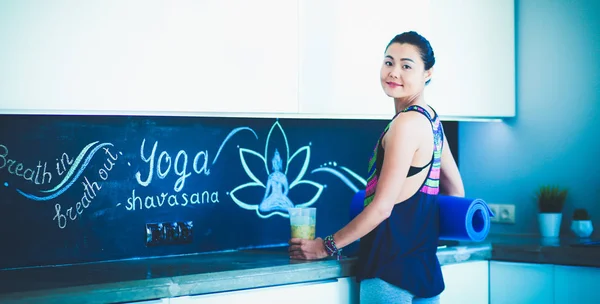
[{"x": 403, "y": 71}]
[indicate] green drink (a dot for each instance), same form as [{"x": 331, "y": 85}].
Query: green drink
[
  {"x": 303, "y": 222},
  {"x": 303, "y": 232}
]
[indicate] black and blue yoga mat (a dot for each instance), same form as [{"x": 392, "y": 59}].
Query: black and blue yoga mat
[{"x": 461, "y": 219}]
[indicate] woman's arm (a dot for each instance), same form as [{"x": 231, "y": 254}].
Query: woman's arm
[
  {"x": 400, "y": 146},
  {"x": 450, "y": 180},
  {"x": 401, "y": 143}
]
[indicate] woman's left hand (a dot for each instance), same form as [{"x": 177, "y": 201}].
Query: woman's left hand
[{"x": 307, "y": 249}]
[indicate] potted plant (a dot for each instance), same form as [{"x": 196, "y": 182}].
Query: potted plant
[
  {"x": 550, "y": 200},
  {"x": 582, "y": 223}
]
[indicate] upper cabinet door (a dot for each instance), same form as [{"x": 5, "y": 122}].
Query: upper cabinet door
[
  {"x": 149, "y": 56},
  {"x": 342, "y": 45},
  {"x": 266, "y": 57},
  {"x": 474, "y": 45}
]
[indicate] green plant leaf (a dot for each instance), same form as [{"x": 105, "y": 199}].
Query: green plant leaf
[{"x": 551, "y": 198}]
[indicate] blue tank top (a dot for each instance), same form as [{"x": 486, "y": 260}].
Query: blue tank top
[{"x": 402, "y": 249}]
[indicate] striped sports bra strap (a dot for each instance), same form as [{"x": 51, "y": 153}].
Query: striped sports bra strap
[{"x": 420, "y": 110}]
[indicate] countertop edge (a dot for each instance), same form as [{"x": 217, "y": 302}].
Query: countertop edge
[
  {"x": 186, "y": 285},
  {"x": 222, "y": 281},
  {"x": 498, "y": 249},
  {"x": 565, "y": 256}
]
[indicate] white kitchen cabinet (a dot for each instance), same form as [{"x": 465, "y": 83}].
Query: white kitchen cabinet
[
  {"x": 474, "y": 45},
  {"x": 342, "y": 45},
  {"x": 466, "y": 283},
  {"x": 521, "y": 283},
  {"x": 342, "y": 291},
  {"x": 149, "y": 57},
  {"x": 576, "y": 285},
  {"x": 157, "y": 301},
  {"x": 299, "y": 58}
]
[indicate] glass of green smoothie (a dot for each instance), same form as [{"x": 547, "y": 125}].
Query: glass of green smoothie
[{"x": 303, "y": 222}]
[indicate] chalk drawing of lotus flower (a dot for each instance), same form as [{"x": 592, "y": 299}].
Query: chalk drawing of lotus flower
[{"x": 276, "y": 199}]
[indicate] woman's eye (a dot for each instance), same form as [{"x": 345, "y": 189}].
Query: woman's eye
[
  {"x": 388, "y": 63},
  {"x": 406, "y": 66}
]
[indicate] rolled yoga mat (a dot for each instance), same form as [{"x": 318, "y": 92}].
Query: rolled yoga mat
[
  {"x": 464, "y": 219},
  {"x": 357, "y": 204},
  {"x": 461, "y": 219}
]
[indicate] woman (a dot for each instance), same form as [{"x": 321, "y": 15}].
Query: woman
[{"x": 398, "y": 227}]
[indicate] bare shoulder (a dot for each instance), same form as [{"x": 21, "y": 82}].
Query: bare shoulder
[
  {"x": 407, "y": 126},
  {"x": 411, "y": 122}
]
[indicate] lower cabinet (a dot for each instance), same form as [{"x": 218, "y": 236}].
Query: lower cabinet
[
  {"x": 521, "y": 283},
  {"x": 342, "y": 290},
  {"x": 466, "y": 283},
  {"x": 524, "y": 283},
  {"x": 157, "y": 301},
  {"x": 576, "y": 285},
  {"x": 478, "y": 282}
]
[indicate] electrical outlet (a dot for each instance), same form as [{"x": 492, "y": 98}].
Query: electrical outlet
[
  {"x": 169, "y": 233},
  {"x": 495, "y": 210},
  {"x": 503, "y": 213}
]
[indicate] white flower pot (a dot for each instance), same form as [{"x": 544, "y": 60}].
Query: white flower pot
[
  {"x": 582, "y": 229},
  {"x": 550, "y": 224}
]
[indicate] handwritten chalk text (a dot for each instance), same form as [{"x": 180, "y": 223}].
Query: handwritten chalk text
[
  {"x": 39, "y": 177},
  {"x": 64, "y": 158},
  {"x": 90, "y": 191},
  {"x": 136, "y": 202},
  {"x": 164, "y": 163}
]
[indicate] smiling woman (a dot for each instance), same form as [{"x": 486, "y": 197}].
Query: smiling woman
[{"x": 398, "y": 227}]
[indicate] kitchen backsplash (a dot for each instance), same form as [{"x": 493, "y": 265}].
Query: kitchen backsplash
[{"x": 93, "y": 188}]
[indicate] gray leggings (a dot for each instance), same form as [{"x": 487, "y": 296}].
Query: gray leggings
[{"x": 378, "y": 291}]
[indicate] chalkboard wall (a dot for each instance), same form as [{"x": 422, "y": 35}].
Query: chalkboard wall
[{"x": 82, "y": 188}]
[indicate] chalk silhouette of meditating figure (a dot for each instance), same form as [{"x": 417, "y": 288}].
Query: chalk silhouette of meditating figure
[{"x": 277, "y": 189}]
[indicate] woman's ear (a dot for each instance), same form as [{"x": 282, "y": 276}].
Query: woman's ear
[{"x": 428, "y": 74}]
